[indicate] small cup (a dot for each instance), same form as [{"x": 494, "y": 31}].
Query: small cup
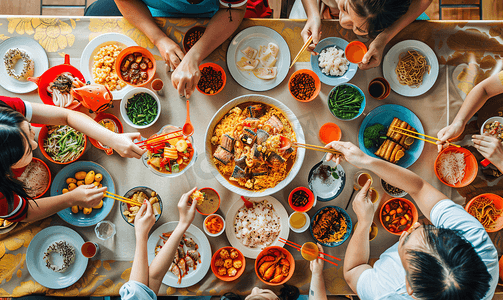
[
  {"x": 304, "y": 227},
  {"x": 206, "y": 229},
  {"x": 157, "y": 86},
  {"x": 105, "y": 230},
  {"x": 329, "y": 132},
  {"x": 90, "y": 249},
  {"x": 355, "y": 51},
  {"x": 379, "y": 88}
]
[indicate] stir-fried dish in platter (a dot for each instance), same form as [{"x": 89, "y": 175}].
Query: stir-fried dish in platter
[{"x": 250, "y": 147}]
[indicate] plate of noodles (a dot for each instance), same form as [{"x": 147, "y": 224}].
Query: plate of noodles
[
  {"x": 411, "y": 68},
  {"x": 487, "y": 208},
  {"x": 247, "y": 148},
  {"x": 331, "y": 226}
]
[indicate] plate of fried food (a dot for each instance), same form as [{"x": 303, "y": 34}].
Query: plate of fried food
[
  {"x": 411, "y": 68},
  {"x": 97, "y": 62},
  {"x": 331, "y": 226},
  {"x": 192, "y": 257},
  {"x": 228, "y": 263},
  {"x": 138, "y": 195},
  {"x": 385, "y": 133}
]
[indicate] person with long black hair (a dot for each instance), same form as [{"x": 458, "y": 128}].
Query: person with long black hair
[{"x": 17, "y": 143}]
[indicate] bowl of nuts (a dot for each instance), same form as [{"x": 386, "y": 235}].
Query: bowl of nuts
[
  {"x": 212, "y": 79},
  {"x": 192, "y": 36},
  {"x": 139, "y": 194},
  {"x": 136, "y": 65}
]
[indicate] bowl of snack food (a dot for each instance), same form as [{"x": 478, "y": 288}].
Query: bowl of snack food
[
  {"x": 208, "y": 201},
  {"x": 139, "y": 194},
  {"x": 111, "y": 123},
  {"x": 137, "y": 66},
  {"x": 346, "y": 101},
  {"x": 192, "y": 36},
  {"x": 488, "y": 209},
  {"x": 304, "y": 85},
  {"x": 228, "y": 263},
  {"x": 398, "y": 215},
  {"x": 392, "y": 190},
  {"x": 335, "y": 221},
  {"x": 212, "y": 79},
  {"x": 274, "y": 265},
  {"x": 173, "y": 157},
  {"x": 36, "y": 177},
  {"x": 140, "y": 108},
  {"x": 301, "y": 199},
  {"x": 61, "y": 144},
  {"x": 214, "y": 225},
  {"x": 456, "y": 166}
]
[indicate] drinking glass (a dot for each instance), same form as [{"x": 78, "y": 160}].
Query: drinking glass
[{"x": 105, "y": 230}]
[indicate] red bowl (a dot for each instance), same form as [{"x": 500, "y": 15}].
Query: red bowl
[
  {"x": 498, "y": 203},
  {"x": 130, "y": 50},
  {"x": 205, "y": 214},
  {"x": 42, "y": 135},
  {"x": 471, "y": 169},
  {"x": 216, "y": 68},
  {"x": 317, "y": 84},
  {"x": 226, "y": 277},
  {"x": 329, "y": 132},
  {"x": 415, "y": 215},
  {"x": 310, "y": 201},
  {"x": 48, "y": 174},
  {"x": 288, "y": 257},
  {"x": 117, "y": 122}
]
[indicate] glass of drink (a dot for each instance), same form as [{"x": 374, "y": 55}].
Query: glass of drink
[
  {"x": 89, "y": 249},
  {"x": 157, "y": 85},
  {"x": 105, "y": 230},
  {"x": 373, "y": 195},
  {"x": 361, "y": 178},
  {"x": 309, "y": 251}
]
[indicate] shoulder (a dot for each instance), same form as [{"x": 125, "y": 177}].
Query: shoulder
[{"x": 133, "y": 290}]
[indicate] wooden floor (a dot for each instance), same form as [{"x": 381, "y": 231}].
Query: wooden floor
[{"x": 492, "y": 9}]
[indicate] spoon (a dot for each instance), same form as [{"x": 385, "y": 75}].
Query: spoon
[
  {"x": 188, "y": 129},
  {"x": 247, "y": 202}
]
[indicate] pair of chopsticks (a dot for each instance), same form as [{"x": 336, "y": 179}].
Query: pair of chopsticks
[
  {"x": 306, "y": 44},
  {"x": 162, "y": 138},
  {"x": 122, "y": 199},
  {"x": 316, "y": 148},
  {"x": 406, "y": 131},
  {"x": 298, "y": 248}
]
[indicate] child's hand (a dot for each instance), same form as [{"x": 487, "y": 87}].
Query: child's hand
[
  {"x": 144, "y": 220},
  {"x": 123, "y": 144},
  {"x": 312, "y": 28},
  {"x": 316, "y": 265},
  {"x": 449, "y": 132},
  {"x": 186, "y": 212},
  {"x": 88, "y": 195}
]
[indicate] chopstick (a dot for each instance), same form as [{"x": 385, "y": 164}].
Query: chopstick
[
  {"x": 295, "y": 244},
  {"x": 396, "y": 128},
  {"x": 306, "y": 44},
  {"x": 298, "y": 249},
  {"x": 316, "y": 148},
  {"x": 160, "y": 138},
  {"x": 122, "y": 199},
  {"x": 447, "y": 84}
]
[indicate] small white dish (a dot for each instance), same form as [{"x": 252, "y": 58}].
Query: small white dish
[
  {"x": 206, "y": 229},
  {"x": 303, "y": 228},
  {"x": 128, "y": 96}
]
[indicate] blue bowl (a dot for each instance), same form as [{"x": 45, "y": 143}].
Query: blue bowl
[
  {"x": 346, "y": 218},
  {"x": 362, "y": 107},
  {"x": 79, "y": 219}
]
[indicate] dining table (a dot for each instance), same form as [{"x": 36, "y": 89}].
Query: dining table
[{"x": 467, "y": 52}]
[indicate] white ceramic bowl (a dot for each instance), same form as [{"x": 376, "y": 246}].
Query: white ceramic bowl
[
  {"x": 490, "y": 120},
  {"x": 213, "y": 234},
  {"x": 303, "y": 228},
  {"x": 129, "y": 95}
]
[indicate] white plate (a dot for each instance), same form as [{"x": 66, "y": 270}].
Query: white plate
[
  {"x": 36, "y": 53},
  {"x": 391, "y": 60},
  {"x": 231, "y": 235},
  {"x": 296, "y": 127},
  {"x": 36, "y": 265},
  {"x": 204, "y": 249},
  {"x": 87, "y": 58},
  {"x": 254, "y": 37}
]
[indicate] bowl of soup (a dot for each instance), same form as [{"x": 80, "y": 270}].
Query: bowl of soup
[{"x": 210, "y": 203}]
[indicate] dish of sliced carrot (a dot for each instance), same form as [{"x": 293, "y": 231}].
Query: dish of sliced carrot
[{"x": 214, "y": 224}]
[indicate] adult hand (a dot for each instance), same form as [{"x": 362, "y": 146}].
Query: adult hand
[
  {"x": 373, "y": 57},
  {"x": 186, "y": 212},
  {"x": 363, "y": 206},
  {"x": 125, "y": 147},
  {"x": 87, "y": 195},
  {"x": 491, "y": 148},
  {"x": 449, "y": 132},
  {"x": 144, "y": 220},
  {"x": 185, "y": 77},
  {"x": 316, "y": 265},
  {"x": 170, "y": 52},
  {"x": 351, "y": 153},
  {"x": 312, "y": 28}
]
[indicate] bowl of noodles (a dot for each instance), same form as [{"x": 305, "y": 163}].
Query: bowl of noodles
[
  {"x": 247, "y": 145},
  {"x": 488, "y": 209},
  {"x": 331, "y": 226}
]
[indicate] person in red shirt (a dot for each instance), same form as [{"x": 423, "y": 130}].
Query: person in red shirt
[{"x": 17, "y": 142}]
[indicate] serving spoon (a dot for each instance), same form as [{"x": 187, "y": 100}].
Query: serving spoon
[{"x": 188, "y": 129}]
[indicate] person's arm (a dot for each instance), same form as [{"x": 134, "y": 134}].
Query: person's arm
[
  {"x": 424, "y": 194},
  {"x": 477, "y": 97},
  {"x": 374, "y": 54},
  {"x": 187, "y": 75},
  {"x": 317, "y": 289},
  {"x": 143, "y": 222},
  {"x": 122, "y": 143},
  {"x": 162, "y": 261},
  {"x": 313, "y": 24},
  {"x": 84, "y": 195}
]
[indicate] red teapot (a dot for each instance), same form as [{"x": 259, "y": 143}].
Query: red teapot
[{"x": 95, "y": 97}]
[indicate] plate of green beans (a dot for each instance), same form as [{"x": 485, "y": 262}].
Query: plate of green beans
[
  {"x": 61, "y": 144},
  {"x": 140, "y": 108}
]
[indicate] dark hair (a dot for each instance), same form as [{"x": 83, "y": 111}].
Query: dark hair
[
  {"x": 13, "y": 141},
  {"x": 379, "y": 14},
  {"x": 287, "y": 292},
  {"x": 449, "y": 268}
]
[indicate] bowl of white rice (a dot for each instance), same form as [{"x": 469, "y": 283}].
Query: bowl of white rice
[
  {"x": 456, "y": 167},
  {"x": 330, "y": 64}
]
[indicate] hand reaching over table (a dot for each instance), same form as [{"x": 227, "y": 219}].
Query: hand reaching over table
[
  {"x": 312, "y": 28},
  {"x": 491, "y": 148},
  {"x": 186, "y": 212},
  {"x": 363, "y": 206},
  {"x": 186, "y": 76},
  {"x": 170, "y": 52},
  {"x": 352, "y": 154},
  {"x": 87, "y": 195},
  {"x": 448, "y": 133},
  {"x": 374, "y": 55},
  {"x": 144, "y": 220}
]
